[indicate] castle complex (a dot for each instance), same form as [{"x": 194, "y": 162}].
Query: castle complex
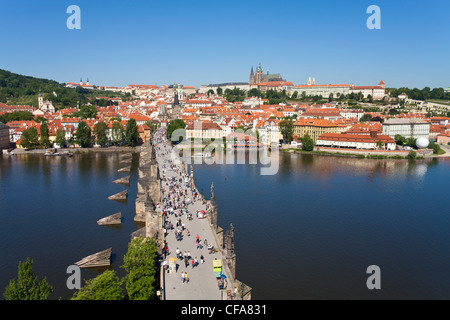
[{"x": 260, "y": 77}]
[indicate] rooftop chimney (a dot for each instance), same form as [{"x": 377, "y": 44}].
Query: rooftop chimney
[{"x": 373, "y": 133}]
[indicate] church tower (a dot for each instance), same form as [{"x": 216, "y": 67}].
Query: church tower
[
  {"x": 40, "y": 100},
  {"x": 259, "y": 74},
  {"x": 252, "y": 77}
]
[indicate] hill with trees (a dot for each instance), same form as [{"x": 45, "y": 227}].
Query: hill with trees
[
  {"x": 16, "y": 89},
  {"x": 420, "y": 94}
]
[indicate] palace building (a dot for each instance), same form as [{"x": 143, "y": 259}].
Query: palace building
[{"x": 325, "y": 90}]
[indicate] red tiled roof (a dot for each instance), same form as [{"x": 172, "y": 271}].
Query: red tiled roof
[{"x": 355, "y": 138}]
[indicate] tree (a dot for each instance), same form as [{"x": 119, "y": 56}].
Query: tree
[
  {"x": 254, "y": 92},
  {"x": 27, "y": 286},
  {"x": 219, "y": 91},
  {"x": 106, "y": 286},
  {"x": 436, "y": 148},
  {"x": 294, "y": 95},
  {"x": 87, "y": 112},
  {"x": 234, "y": 95},
  {"x": 83, "y": 135},
  {"x": 44, "y": 139},
  {"x": 307, "y": 143},
  {"x": 61, "y": 137},
  {"x": 380, "y": 144},
  {"x": 330, "y": 97},
  {"x": 175, "y": 125},
  {"x": 412, "y": 155},
  {"x": 366, "y": 117},
  {"x": 411, "y": 142},
  {"x": 140, "y": 263},
  {"x": 287, "y": 130},
  {"x": 303, "y": 96},
  {"x": 117, "y": 132},
  {"x": 131, "y": 133},
  {"x": 30, "y": 138},
  {"x": 40, "y": 119},
  {"x": 400, "y": 140},
  {"x": 393, "y": 111},
  {"x": 100, "y": 133},
  {"x": 16, "y": 116},
  {"x": 377, "y": 119},
  {"x": 210, "y": 92}
]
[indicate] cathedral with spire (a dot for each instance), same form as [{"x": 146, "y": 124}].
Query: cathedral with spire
[{"x": 260, "y": 77}]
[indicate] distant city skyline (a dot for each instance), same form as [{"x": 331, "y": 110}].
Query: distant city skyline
[{"x": 203, "y": 42}]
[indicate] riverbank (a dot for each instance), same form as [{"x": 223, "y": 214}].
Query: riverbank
[
  {"x": 364, "y": 154},
  {"x": 78, "y": 150}
]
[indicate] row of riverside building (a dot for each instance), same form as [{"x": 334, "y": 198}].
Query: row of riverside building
[{"x": 213, "y": 117}]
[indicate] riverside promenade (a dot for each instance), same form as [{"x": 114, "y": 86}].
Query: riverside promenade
[{"x": 179, "y": 199}]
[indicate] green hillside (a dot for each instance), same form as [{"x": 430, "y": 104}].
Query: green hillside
[{"x": 18, "y": 89}]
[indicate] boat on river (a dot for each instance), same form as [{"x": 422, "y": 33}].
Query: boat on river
[{"x": 54, "y": 152}]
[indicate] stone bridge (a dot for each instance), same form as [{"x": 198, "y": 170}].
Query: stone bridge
[{"x": 203, "y": 284}]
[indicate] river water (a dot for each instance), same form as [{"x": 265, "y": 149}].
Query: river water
[
  {"x": 49, "y": 207},
  {"x": 308, "y": 232},
  {"x": 312, "y": 230}
]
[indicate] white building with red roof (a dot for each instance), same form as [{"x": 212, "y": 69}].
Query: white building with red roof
[{"x": 377, "y": 92}]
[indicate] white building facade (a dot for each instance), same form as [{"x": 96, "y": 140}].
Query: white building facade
[{"x": 408, "y": 128}]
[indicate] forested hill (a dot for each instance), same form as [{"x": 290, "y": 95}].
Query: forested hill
[{"x": 18, "y": 89}]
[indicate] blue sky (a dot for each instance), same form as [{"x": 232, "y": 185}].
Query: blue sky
[{"x": 201, "y": 42}]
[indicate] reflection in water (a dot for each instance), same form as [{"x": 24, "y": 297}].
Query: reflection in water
[
  {"x": 315, "y": 227},
  {"x": 326, "y": 166},
  {"x": 323, "y": 167},
  {"x": 309, "y": 231},
  {"x": 49, "y": 207}
]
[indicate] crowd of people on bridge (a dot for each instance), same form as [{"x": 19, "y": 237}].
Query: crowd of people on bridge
[{"x": 178, "y": 194}]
